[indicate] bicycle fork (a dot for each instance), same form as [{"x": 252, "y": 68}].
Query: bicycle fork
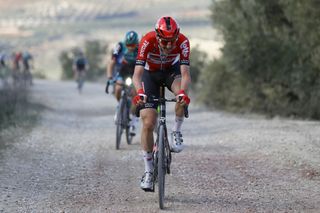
[{"x": 166, "y": 151}]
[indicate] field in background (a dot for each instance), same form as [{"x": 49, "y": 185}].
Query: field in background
[{"x": 47, "y": 27}]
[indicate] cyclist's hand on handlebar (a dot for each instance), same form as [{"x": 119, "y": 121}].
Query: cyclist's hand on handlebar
[
  {"x": 109, "y": 82},
  {"x": 183, "y": 98},
  {"x": 140, "y": 97}
]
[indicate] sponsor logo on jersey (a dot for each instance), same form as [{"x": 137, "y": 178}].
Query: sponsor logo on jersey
[
  {"x": 143, "y": 48},
  {"x": 148, "y": 105},
  {"x": 185, "y": 49},
  {"x": 185, "y": 62},
  {"x": 117, "y": 49},
  {"x": 140, "y": 62},
  {"x": 159, "y": 59}
]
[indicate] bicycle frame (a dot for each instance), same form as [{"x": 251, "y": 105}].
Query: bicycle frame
[
  {"x": 124, "y": 108},
  {"x": 161, "y": 152},
  {"x": 123, "y": 115}
]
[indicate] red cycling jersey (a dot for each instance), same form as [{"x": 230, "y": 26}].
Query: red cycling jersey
[{"x": 149, "y": 54}]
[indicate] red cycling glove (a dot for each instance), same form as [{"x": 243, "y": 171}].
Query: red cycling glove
[
  {"x": 184, "y": 96},
  {"x": 139, "y": 97}
]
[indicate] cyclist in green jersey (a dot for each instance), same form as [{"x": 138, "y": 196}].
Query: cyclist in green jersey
[{"x": 122, "y": 66}]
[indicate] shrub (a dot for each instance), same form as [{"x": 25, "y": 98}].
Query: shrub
[
  {"x": 271, "y": 57},
  {"x": 198, "y": 61}
]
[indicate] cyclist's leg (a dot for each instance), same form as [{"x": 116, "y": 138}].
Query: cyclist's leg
[
  {"x": 83, "y": 76},
  {"x": 78, "y": 79},
  {"x": 24, "y": 77},
  {"x": 16, "y": 77},
  {"x": 26, "y": 71},
  {"x": 149, "y": 119},
  {"x": 115, "y": 75},
  {"x": 120, "y": 77},
  {"x": 127, "y": 72},
  {"x": 174, "y": 83},
  {"x": 29, "y": 76},
  {"x": 117, "y": 90},
  {"x": 117, "y": 93},
  {"x": 134, "y": 119},
  {"x": 76, "y": 75},
  {"x": 149, "y": 113}
]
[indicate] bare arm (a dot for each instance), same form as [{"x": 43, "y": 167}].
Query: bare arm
[
  {"x": 110, "y": 68},
  {"x": 185, "y": 77},
  {"x": 137, "y": 77}
]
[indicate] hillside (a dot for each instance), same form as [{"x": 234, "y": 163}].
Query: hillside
[{"x": 47, "y": 27}]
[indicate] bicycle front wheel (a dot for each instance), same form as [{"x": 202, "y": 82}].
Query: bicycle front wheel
[{"x": 161, "y": 167}]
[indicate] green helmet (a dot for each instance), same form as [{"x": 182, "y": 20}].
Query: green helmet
[{"x": 131, "y": 38}]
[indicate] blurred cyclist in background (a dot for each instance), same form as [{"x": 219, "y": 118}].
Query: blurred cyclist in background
[
  {"x": 3, "y": 60},
  {"x": 16, "y": 65},
  {"x": 121, "y": 67},
  {"x": 27, "y": 65},
  {"x": 4, "y": 69},
  {"x": 80, "y": 67}
]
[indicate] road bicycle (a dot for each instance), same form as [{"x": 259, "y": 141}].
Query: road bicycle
[
  {"x": 81, "y": 75},
  {"x": 26, "y": 77},
  {"x": 161, "y": 150},
  {"x": 122, "y": 120}
]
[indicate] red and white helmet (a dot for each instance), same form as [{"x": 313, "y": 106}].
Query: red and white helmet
[{"x": 167, "y": 28}]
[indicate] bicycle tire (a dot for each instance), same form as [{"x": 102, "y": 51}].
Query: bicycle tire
[
  {"x": 128, "y": 136},
  {"x": 126, "y": 114},
  {"x": 167, "y": 152},
  {"x": 161, "y": 167},
  {"x": 119, "y": 124}
]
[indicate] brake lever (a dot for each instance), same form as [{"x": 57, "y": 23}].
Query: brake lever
[
  {"x": 186, "y": 111},
  {"x": 107, "y": 87}
]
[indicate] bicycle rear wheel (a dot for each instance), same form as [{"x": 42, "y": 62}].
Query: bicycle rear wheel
[
  {"x": 119, "y": 124},
  {"x": 161, "y": 167},
  {"x": 126, "y": 114}
]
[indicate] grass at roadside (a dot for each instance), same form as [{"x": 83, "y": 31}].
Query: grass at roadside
[{"x": 17, "y": 113}]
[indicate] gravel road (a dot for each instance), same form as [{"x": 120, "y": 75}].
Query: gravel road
[{"x": 232, "y": 163}]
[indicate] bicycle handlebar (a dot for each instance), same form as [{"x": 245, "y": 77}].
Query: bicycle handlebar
[
  {"x": 113, "y": 82},
  {"x": 107, "y": 87},
  {"x": 139, "y": 107}
]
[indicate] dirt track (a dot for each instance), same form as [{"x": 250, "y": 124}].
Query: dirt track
[{"x": 68, "y": 163}]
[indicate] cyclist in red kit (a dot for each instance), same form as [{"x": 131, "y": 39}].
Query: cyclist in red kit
[{"x": 163, "y": 59}]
